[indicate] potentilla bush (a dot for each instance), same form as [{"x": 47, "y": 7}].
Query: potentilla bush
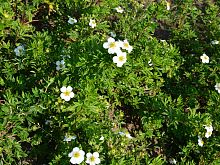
[{"x": 109, "y": 82}]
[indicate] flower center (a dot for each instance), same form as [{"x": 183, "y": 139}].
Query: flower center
[
  {"x": 112, "y": 45},
  {"x": 66, "y": 93},
  {"x": 76, "y": 155},
  {"x": 121, "y": 58},
  {"x": 92, "y": 158},
  {"x": 20, "y": 50},
  {"x": 126, "y": 45},
  {"x": 209, "y": 133}
]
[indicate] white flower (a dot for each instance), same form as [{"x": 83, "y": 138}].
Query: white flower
[
  {"x": 77, "y": 156},
  {"x": 19, "y": 50},
  {"x": 119, "y": 9},
  {"x": 92, "y": 159},
  {"x": 200, "y": 141},
  {"x": 217, "y": 87},
  {"x": 101, "y": 138},
  {"x": 208, "y": 134},
  {"x": 69, "y": 138},
  {"x": 112, "y": 34},
  {"x": 72, "y": 21},
  {"x": 128, "y": 135},
  {"x": 209, "y": 130},
  {"x": 215, "y": 42},
  {"x": 120, "y": 59},
  {"x": 205, "y": 58},
  {"x": 92, "y": 23},
  {"x": 172, "y": 161},
  {"x": 67, "y": 93},
  {"x": 112, "y": 45},
  {"x": 168, "y": 5},
  {"x": 60, "y": 65},
  {"x": 121, "y": 133},
  {"x": 125, "y": 45}
]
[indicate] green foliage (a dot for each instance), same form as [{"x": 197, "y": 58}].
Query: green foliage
[{"x": 163, "y": 95}]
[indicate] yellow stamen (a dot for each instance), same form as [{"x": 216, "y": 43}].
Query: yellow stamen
[
  {"x": 126, "y": 45},
  {"x": 112, "y": 45},
  {"x": 76, "y": 155},
  {"x": 66, "y": 93},
  {"x": 121, "y": 58},
  {"x": 209, "y": 133},
  {"x": 92, "y": 158}
]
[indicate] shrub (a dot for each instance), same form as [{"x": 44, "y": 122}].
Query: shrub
[{"x": 149, "y": 110}]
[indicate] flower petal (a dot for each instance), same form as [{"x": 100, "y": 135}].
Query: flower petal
[
  {"x": 70, "y": 154},
  {"x": 119, "y": 64},
  {"x": 73, "y": 160},
  {"x": 67, "y": 98},
  {"x": 71, "y": 95},
  {"x": 96, "y": 154},
  {"x": 76, "y": 149},
  {"x": 110, "y": 39},
  {"x": 80, "y": 160},
  {"x": 130, "y": 48},
  {"x": 58, "y": 67},
  {"x": 115, "y": 59},
  {"x": 97, "y": 161},
  {"x": 62, "y": 62},
  {"x": 88, "y": 155},
  {"x": 111, "y": 51},
  {"x": 62, "y": 96},
  {"x": 63, "y": 89},
  {"x": 69, "y": 88},
  {"x": 82, "y": 152},
  {"x": 58, "y": 63},
  {"x": 105, "y": 45}
]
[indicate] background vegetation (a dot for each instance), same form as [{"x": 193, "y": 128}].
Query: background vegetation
[{"x": 162, "y": 96}]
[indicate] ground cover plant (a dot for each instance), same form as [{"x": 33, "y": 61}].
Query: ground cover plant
[{"x": 109, "y": 82}]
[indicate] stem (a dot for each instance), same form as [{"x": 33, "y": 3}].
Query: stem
[{"x": 16, "y": 10}]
